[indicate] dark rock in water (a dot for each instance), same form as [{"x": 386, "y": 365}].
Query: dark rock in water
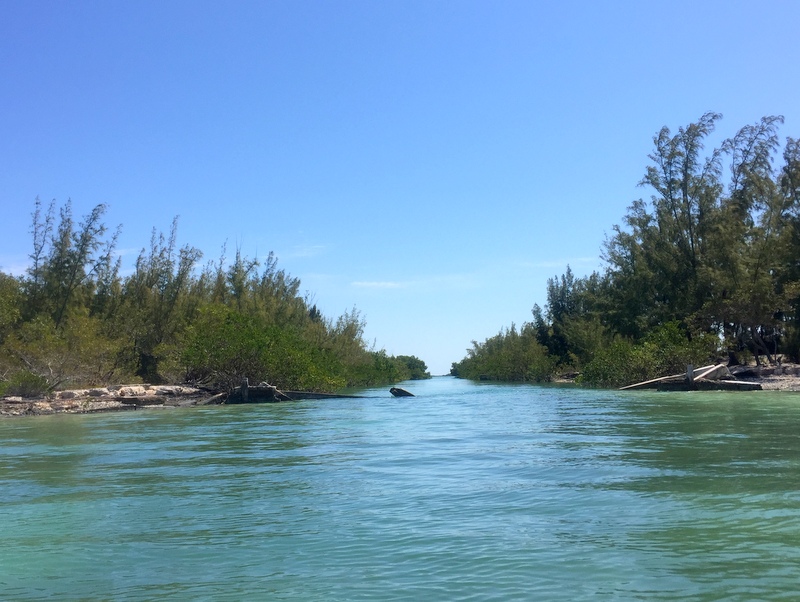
[{"x": 398, "y": 392}]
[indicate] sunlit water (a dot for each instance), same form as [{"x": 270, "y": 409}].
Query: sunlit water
[{"x": 465, "y": 492}]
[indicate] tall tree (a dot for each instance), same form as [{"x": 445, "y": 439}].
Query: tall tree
[
  {"x": 155, "y": 298},
  {"x": 687, "y": 190},
  {"x": 66, "y": 259},
  {"x": 744, "y": 301}
]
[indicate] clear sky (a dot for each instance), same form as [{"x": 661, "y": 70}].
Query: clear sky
[{"x": 431, "y": 163}]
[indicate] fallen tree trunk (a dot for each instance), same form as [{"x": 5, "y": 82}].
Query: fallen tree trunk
[
  {"x": 716, "y": 377},
  {"x": 651, "y": 384}
]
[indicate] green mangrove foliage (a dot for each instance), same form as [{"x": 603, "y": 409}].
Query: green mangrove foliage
[
  {"x": 707, "y": 268},
  {"x": 509, "y": 355},
  {"x": 73, "y": 319}
]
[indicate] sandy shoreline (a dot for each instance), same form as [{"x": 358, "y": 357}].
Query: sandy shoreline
[
  {"x": 122, "y": 398},
  {"x": 784, "y": 377},
  {"x": 109, "y": 399},
  {"x": 777, "y": 383}
]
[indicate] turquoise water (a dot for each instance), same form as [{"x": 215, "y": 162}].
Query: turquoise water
[{"x": 466, "y": 492}]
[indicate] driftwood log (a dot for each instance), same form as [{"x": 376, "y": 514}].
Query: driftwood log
[
  {"x": 715, "y": 377},
  {"x": 266, "y": 393}
]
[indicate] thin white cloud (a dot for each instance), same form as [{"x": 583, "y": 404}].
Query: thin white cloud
[
  {"x": 380, "y": 284},
  {"x": 305, "y": 251},
  {"x": 13, "y": 266},
  {"x": 321, "y": 276},
  {"x": 17, "y": 265},
  {"x": 127, "y": 252},
  {"x": 440, "y": 282},
  {"x": 560, "y": 263}
]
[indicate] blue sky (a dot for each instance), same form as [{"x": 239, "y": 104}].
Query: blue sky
[{"x": 430, "y": 163}]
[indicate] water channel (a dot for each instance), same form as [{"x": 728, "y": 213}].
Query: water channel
[{"x": 468, "y": 491}]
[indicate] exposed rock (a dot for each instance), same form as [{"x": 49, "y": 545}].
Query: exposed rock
[
  {"x": 132, "y": 391},
  {"x": 398, "y": 392},
  {"x": 101, "y": 399}
]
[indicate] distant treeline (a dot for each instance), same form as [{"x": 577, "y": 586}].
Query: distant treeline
[
  {"x": 73, "y": 320},
  {"x": 708, "y": 269}
]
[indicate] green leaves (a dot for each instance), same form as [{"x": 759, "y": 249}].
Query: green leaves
[
  {"x": 706, "y": 263},
  {"x": 417, "y": 370},
  {"x": 666, "y": 350},
  {"x": 510, "y": 355},
  {"x": 696, "y": 254},
  {"x": 73, "y": 318}
]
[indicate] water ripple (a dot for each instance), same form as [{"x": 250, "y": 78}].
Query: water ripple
[{"x": 471, "y": 492}]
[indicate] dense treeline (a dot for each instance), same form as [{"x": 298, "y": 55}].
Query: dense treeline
[
  {"x": 708, "y": 268},
  {"x": 73, "y": 319}
]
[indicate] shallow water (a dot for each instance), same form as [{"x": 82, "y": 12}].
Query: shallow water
[{"x": 466, "y": 492}]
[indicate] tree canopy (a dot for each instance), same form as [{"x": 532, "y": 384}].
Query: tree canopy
[
  {"x": 73, "y": 319},
  {"x": 708, "y": 266}
]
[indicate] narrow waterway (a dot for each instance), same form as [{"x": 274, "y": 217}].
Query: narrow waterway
[{"x": 465, "y": 492}]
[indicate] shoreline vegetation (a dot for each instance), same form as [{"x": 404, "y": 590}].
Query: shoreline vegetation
[
  {"x": 73, "y": 321},
  {"x": 118, "y": 398},
  {"x": 706, "y": 271},
  {"x": 146, "y": 397}
]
